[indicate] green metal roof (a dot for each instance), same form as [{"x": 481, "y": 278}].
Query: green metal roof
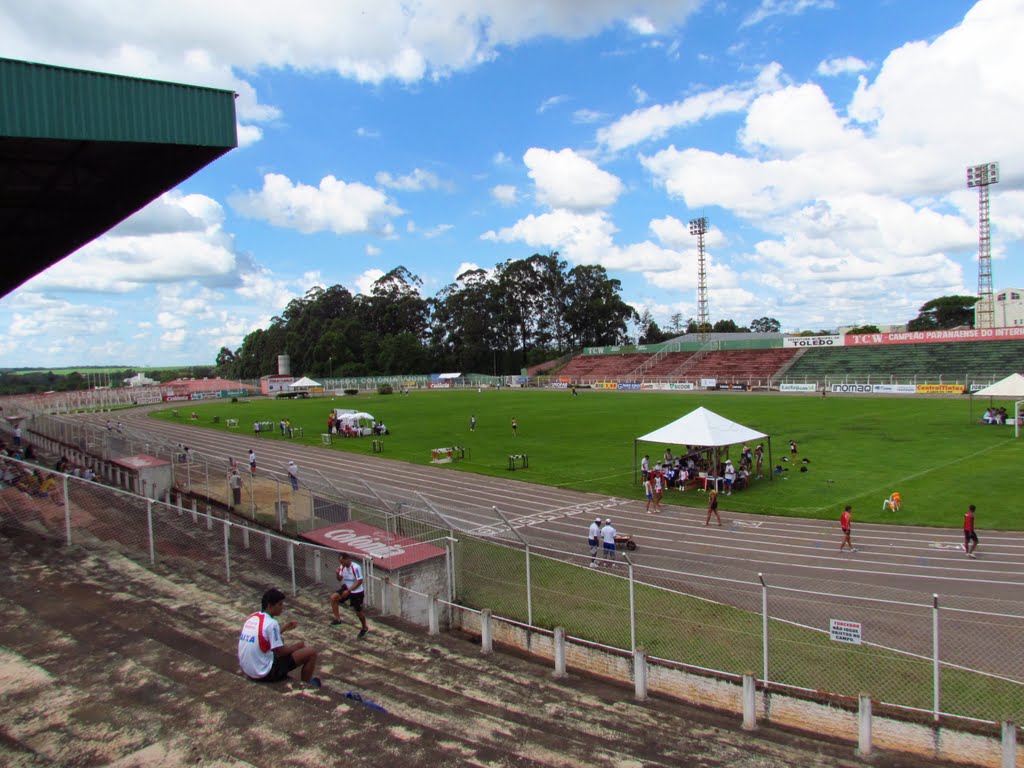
[
  {"x": 81, "y": 151},
  {"x": 43, "y": 101}
]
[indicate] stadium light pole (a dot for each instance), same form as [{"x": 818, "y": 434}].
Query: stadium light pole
[
  {"x": 981, "y": 176},
  {"x": 699, "y": 227}
]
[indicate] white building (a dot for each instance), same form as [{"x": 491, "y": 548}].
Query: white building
[{"x": 1009, "y": 308}]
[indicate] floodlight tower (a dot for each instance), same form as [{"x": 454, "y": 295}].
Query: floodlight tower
[
  {"x": 981, "y": 176},
  {"x": 699, "y": 227}
]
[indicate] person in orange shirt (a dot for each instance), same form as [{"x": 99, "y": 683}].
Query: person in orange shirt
[
  {"x": 844, "y": 523},
  {"x": 893, "y": 502}
]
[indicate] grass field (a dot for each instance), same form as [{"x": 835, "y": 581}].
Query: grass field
[{"x": 860, "y": 449}]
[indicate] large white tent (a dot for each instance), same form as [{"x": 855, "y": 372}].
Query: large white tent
[
  {"x": 305, "y": 382},
  {"x": 703, "y": 428},
  {"x": 1010, "y": 388}
]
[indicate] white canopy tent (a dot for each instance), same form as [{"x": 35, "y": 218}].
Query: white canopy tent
[
  {"x": 703, "y": 428},
  {"x": 305, "y": 383},
  {"x": 1010, "y": 388}
]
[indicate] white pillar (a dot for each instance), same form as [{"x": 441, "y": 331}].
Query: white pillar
[
  {"x": 486, "y": 642},
  {"x": 559, "y": 652},
  {"x": 864, "y": 725},
  {"x": 640, "y": 674},
  {"x": 1009, "y": 745},
  {"x": 434, "y": 626},
  {"x": 749, "y": 703}
]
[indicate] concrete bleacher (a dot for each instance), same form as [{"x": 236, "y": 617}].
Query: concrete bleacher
[
  {"x": 996, "y": 358},
  {"x": 599, "y": 367},
  {"x": 107, "y": 662},
  {"x": 741, "y": 364}
]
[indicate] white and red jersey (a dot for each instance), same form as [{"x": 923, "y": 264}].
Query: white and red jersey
[
  {"x": 261, "y": 634},
  {"x": 350, "y": 575}
]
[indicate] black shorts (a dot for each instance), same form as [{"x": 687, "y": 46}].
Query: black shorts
[
  {"x": 282, "y": 666},
  {"x": 355, "y": 600}
]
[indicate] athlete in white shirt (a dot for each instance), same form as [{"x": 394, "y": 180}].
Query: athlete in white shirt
[
  {"x": 350, "y": 574},
  {"x": 608, "y": 539},
  {"x": 262, "y": 654},
  {"x": 593, "y": 539}
]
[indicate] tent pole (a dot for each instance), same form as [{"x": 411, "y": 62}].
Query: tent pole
[
  {"x": 771, "y": 462},
  {"x": 635, "y": 444}
]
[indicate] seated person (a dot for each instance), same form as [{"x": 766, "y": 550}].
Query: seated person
[
  {"x": 989, "y": 417},
  {"x": 743, "y": 478}
]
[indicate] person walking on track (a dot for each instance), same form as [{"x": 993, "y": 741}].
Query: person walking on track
[
  {"x": 970, "y": 537},
  {"x": 608, "y": 541},
  {"x": 844, "y": 523},
  {"x": 713, "y": 507},
  {"x": 594, "y": 540}
]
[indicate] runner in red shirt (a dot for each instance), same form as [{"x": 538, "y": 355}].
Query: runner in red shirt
[
  {"x": 844, "y": 523},
  {"x": 970, "y": 537}
]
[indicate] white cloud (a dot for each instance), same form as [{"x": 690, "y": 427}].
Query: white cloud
[
  {"x": 365, "y": 281},
  {"x": 656, "y": 121},
  {"x": 466, "y": 266},
  {"x": 333, "y": 205},
  {"x": 585, "y": 116},
  {"x": 500, "y": 158},
  {"x": 506, "y": 194},
  {"x": 367, "y": 133},
  {"x": 566, "y": 180},
  {"x": 173, "y": 339},
  {"x": 640, "y": 96},
  {"x": 372, "y": 250},
  {"x": 37, "y": 319},
  {"x": 769, "y": 8},
  {"x": 841, "y": 66},
  {"x": 551, "y": 101},
  {"x": 413, "y": 182},
  {"x": 170, "y": 321},
  {"x": 641, "y": 25},
  {"x": 675, "y": 234},
  {"x": 248, "y": 135},
  {"x": 436, "y": 231}
]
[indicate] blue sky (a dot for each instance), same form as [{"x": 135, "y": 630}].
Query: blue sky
[{"x": 825, "y": 140}]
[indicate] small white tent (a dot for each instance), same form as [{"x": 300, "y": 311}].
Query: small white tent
[
  {"x": 1010, "y": 388},
  {"x": 705, "y": 428},
  {"x": 305, "y": 383}
]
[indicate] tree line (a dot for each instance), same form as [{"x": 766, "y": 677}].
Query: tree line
[{"x": 522, "y": 312}]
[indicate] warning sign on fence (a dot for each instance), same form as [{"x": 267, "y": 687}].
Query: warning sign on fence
[{"x": 844, "y": 631}]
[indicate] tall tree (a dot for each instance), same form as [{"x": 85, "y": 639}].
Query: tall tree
[
  {"x": 765, "y": 325},
  {"x": 945, "y": 312}
]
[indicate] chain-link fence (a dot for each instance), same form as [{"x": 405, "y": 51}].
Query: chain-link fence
[{"x": 953, "y": 658}]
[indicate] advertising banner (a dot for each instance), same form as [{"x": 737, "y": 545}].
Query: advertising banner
[
  {"x": 708, "y": 383},
  {"x": 894, "y": 389},
  {"x": 812, "y": 341},
  {"x": 686, "y": 386},
  {"x": 798, "y": 387},
  {"x": 864, "y": 389},
  {"x": 926, "y": 337},
  {"x": 940, "y": 389},
  {"x": 734, "y": 387},
  {"x": 606, "y": 385},
  {"x": 653, "y": 386},
  {"x": 558, "y": 385},
  {"x": 629, "y": 386}
]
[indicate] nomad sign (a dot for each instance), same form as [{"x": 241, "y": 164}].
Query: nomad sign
[{"x": 844, "y": 631}]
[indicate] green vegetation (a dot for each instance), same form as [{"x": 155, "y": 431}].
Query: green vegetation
[{"x": 860, "y": 449}]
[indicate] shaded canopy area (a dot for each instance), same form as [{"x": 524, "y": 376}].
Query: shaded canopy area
[
  {"x": 81, "y": 151},
  {"x": 702, "y": 428},
  {"x": 1010, "y": 388}
]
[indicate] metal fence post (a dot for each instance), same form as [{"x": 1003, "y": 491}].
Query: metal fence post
[
  {"x": 227, "y": 550},
  {"x": 764, "y": 628},
  {"x": 67, "y": 511},
  {"x": 632, "y": 604},
  {"x": 529, "y": 590},
  {"x": 149, "y": 522},
  {"x": 936, "y": 683},
  {"x": 291, "y": 564}
]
